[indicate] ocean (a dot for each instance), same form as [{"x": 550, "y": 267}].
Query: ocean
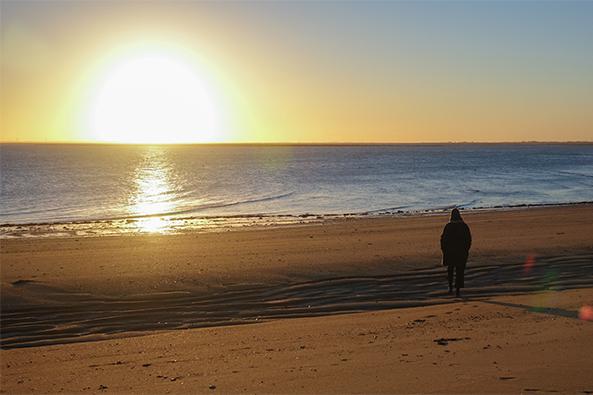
[{"x": 52, "y": 189}]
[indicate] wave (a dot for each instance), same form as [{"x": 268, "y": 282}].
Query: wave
[
  {"x": 209, "y": 206},
  {"x": 574, "y": 173},
  {"x": 280, "y": 217},
  {"x": 191, "y": 210},
  {"x": 387, "y": 210}
]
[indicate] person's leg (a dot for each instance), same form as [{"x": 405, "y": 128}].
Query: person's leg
[
  {"x": 459, "y": 277},
  {"x": 450, "y": 270}
]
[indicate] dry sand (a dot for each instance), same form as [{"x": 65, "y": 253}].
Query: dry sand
[{"x": 58, "y": 291}]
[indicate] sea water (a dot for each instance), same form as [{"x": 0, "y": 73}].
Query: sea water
[{"x": 127, "y": 184}]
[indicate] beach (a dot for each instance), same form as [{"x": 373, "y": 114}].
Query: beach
[
  {"x": 310, "y": 197},
  {"x": 346, "y": 305}
]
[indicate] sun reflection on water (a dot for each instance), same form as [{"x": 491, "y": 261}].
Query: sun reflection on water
[{"x": 154, "y": 195}]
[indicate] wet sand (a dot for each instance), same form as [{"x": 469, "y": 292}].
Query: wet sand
[{"x": 288, "y": 281}]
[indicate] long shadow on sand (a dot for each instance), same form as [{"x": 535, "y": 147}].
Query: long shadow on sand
[
  {"x": 40, "y": 315},
  {"x": 555, "y": 311}
]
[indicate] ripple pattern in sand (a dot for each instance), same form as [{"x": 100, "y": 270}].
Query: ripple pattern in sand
[{"x": 66, "y": 317}]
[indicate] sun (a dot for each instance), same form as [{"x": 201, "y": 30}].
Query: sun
[{"x": 152, "y": 98}]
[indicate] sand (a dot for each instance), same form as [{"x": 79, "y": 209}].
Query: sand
[
  {"x": 490, "y": 346},
  {"x": 351, "y": 305}
]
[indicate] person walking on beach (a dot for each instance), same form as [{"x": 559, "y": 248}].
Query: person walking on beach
[{"x": 456, "y": 241}]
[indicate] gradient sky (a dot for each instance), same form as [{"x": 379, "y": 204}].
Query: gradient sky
[{"x": 317, "y": 72}]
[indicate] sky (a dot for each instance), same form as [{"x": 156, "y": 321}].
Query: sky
[{"x": 319, "y": 72}]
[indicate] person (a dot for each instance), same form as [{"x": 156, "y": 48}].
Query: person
[{"x": 456, "y": 241}]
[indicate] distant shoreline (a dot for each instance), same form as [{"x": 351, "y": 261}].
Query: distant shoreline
[{"x": 306, "y": 144}]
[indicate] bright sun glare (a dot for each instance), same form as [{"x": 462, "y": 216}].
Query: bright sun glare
[{"x": 154, "y": 98}]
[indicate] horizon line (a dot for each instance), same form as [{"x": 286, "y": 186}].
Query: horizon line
[{"x": 289, "y": 143}]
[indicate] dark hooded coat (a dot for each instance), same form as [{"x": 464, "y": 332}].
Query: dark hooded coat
[{"x": 456, "y": 241}]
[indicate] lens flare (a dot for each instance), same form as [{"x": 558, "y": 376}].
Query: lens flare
[
  {"x": 529, "y": 263},
  {"x": 586, "y": 313}
]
